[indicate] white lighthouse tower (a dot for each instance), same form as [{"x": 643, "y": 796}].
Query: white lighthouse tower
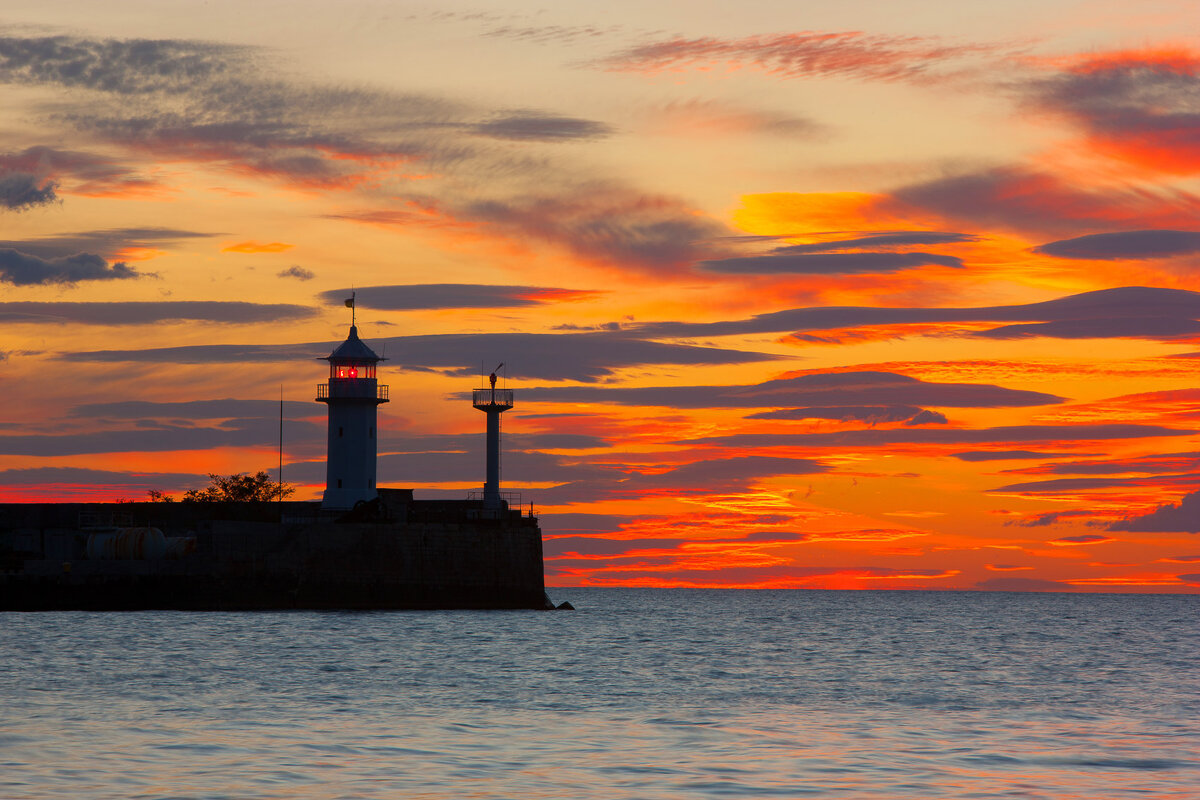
[{"x": 353, "y": 397}]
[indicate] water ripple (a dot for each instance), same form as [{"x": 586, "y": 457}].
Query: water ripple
[{"x": 638, "y": 694}]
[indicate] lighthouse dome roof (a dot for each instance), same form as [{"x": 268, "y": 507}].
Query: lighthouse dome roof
[{"x": 353, "y": 349}]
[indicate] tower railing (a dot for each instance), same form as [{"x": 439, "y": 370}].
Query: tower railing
[
  {"x": 352, "y": 388},
  {"x": 489, "y": 398}
]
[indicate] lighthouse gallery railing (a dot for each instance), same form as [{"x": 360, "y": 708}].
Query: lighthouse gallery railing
[{"x": 352, "y": 389}]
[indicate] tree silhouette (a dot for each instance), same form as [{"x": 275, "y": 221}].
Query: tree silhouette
[{"x": 237, "y": 488}]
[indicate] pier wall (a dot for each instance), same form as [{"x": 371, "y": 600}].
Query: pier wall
[{"x": 442, "y": 556}]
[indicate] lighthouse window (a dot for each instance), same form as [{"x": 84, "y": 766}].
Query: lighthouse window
[
  {"x": 339, "y": 432},
  {"x": 347, "y": 372},
  {"x": 339, "y": 483},
  {"x": 372, "y": 433}
]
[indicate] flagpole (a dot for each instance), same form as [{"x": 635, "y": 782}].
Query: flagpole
[{"x": 281, "y": 450}]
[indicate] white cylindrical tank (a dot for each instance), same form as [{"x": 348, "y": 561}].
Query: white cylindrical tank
[
  {"x": 180, "y": 546},
  {"x": 127, "y": 544}
]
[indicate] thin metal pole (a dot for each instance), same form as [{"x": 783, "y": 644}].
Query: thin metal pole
[{"x": 281, "y": 448}]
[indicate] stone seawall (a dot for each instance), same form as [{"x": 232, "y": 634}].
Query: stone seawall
[{"x": 252, "y": 564}]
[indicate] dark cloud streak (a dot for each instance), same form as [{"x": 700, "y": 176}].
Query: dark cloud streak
[
  {"x": 149, "y": 313},
  {"x": 107, "y": 243},
  {"x": 1125, "y": 245},
  {"x": 121, "y": 66},
  {"x": 531, "y": 126},
  {"x": 568, "y": 356},
  {"x": 427, "y": 296},
  {"x": 804, "y": 392},
  {"x": 22, "y": 190},
  {"x": 1111, "y": 313},
  {"x": 1183, "y": 516},
  {"x": 22, "y": 269},
  {"x": 786, "y": 261},
  {"x": 922, "y": 436}
]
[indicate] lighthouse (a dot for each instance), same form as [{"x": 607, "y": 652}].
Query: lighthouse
[
  {"x": 353, "y": 396},
  {"x": 493, "y": 402}
]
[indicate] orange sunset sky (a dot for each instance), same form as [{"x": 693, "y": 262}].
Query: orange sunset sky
[{"x": 881, "y": 295}]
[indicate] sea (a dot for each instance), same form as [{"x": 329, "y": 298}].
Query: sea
[{"x": 638, "y": 693}]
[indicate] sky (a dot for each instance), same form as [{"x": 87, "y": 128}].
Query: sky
[{"x": 858, "y": 295}]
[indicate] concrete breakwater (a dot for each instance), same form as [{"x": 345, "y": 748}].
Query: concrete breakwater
[{"x": 399, "y": 553}]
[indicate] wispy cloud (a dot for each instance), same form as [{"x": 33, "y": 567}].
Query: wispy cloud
[
  {"x": 807, "y": 54},
  {"x": 420, "y": 296},
  {"x": 708, "y": 118},
  {"x": 74, "y": 172},
  {"x": 607, "y": 224},
  {"x": 121, "y": 66},
  {"x": 203, "y": 104}
]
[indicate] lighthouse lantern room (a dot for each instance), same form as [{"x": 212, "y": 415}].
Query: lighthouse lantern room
[{"x": 353, "y": 397}]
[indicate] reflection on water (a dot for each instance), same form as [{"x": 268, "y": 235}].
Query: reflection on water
[{"x": 639, "y": 694}]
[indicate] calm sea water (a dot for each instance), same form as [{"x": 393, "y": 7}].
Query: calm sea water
[{"x": 638, "y": 694}]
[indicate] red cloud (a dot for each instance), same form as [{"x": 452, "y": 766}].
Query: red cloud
[
  {"x": 1031, "y": 201},
  {"x": 256, "y": 247},
  {"x": 843, "y": 54},
  {"x": 1130, "y": 580},
  {"x": 1087, "y": 538},
  {"x": 778, "y": 576},
  {"x": 1137, "y": 106},
  {"x": 81, "y": 173}
]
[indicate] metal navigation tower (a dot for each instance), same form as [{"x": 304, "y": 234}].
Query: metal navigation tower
[{"x": 493, "y": 402}]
